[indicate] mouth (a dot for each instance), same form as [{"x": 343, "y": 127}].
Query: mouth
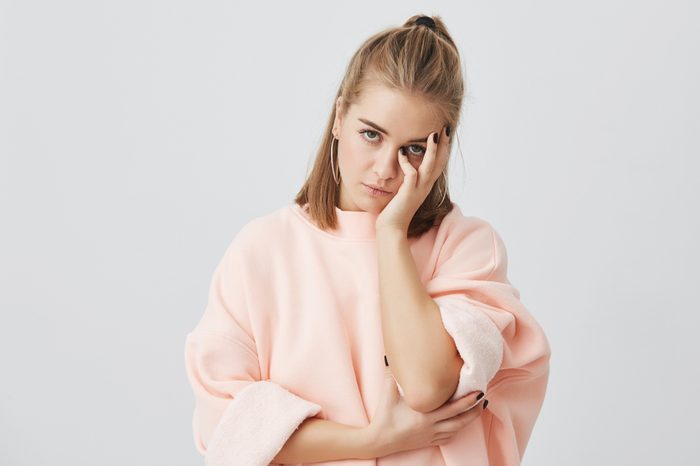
[{"x": 375, "y": 190}]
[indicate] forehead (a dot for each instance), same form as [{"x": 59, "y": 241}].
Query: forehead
[{"x": 401, "y": 114}]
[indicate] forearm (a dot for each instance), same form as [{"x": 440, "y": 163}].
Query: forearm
[
  {"x": 422, "y": 355},
  {"x": 322, "y": 440}
]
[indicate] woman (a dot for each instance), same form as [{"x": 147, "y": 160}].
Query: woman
[{"x": 370, "y": 321}]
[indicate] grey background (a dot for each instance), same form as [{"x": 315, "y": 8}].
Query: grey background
[{"x": 137, "y": 137}]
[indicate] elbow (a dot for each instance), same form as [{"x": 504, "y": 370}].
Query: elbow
[
  {"x": 422, "y": 401},
  {"x": 429, "y": 396},
  {"x": 429, "y": 399},
  {"x": 417, "y": 396}
]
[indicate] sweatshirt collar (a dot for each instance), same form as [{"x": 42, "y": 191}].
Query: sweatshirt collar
[
  {"x": 356, "y": 224},
  {"x": 351, "y": 224}
]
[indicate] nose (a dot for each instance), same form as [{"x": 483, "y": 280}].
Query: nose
[{"x": 386, "y": 164}]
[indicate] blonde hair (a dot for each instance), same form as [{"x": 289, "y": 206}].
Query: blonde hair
[{"x": 414, "y": 59}]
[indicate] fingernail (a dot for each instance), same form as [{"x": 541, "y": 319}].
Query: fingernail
[
  {"x": 481, "y": 395},
  {"x": 403, "y": 152},
  {"x": 435, "y": 138},
  {"x": 447, "y": 131},
  {"x": 386, "y": 363},
  {"x": 486, "y": 402}
]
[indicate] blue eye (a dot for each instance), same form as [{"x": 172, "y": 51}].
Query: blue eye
[
  {"x": 422, "y": 150},
  {"x": 365, "y": 132}
]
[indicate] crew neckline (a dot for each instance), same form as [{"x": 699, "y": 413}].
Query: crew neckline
[{"x": 353, "y": 225}]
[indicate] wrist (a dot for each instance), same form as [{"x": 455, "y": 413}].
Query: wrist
[
  {"x": 372, "y": 442},
  {"x": 391, "y": 231}
]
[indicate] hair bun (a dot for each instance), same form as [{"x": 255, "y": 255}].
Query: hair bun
[{"x": 426, "y": 21}]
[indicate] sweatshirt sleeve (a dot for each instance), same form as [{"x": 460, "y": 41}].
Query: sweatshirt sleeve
[
  {"x": 238, "y": 417},
  {"x": 504, "y": 349}
]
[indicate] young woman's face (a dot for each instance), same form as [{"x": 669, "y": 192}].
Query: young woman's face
[{"x": 369, "y": 138}]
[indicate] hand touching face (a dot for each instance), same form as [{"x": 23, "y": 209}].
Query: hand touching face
[{"x": 371, "y": 134}]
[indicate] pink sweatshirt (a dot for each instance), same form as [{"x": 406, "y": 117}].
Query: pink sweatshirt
[{"x": 292, "y": 329}]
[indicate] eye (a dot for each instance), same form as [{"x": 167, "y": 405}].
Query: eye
[
  {"x": 368, "y": 131},
  {"x": 421, "y": 148},
  {"x": 414, "y": 149}
]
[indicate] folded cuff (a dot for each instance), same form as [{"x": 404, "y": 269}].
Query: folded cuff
[
  {"x": 478, "y": 341},
  {"x": 257, "y": 424}
]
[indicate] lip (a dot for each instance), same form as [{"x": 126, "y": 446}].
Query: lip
[
  {"x": 376, "y": 187},
  {"x": 375, "y": 191}
]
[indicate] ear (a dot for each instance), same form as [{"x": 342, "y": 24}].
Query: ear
[{"x": 338, "y": 122}]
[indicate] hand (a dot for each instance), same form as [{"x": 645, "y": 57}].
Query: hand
[
  {"x": 396, "y": 427},
  {"x": 416, "y": 184}
]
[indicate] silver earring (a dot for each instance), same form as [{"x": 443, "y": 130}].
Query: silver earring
[
  {"x": 337, "y": 181},
  {"x": 445, "y": 191}
]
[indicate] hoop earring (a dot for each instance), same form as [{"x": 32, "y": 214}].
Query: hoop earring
[
  {"x": 337, "y": 181},
  {"x": 445, "y": 190}
]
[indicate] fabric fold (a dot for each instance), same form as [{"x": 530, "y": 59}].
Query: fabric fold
[{"x": 505, "y": 351}]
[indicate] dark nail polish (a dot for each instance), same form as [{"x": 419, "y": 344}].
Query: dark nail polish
[
  {"x": 481, "y": 395},
  {"x": 435, "y": 138},
  {"x": 447, "y": 131},
  {"x": 386, "y": 363},
  {"x": 486, "y": 402}
]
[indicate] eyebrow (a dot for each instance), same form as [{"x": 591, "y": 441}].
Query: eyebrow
[{"x": 379, "y": 128}]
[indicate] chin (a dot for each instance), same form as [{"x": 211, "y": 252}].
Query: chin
[{"x": 373, "y": 206}]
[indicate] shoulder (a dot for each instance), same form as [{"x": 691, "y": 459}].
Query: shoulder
[
  {"x": 260, "y": 233},
  {"x": 459, "y": 228},
  {"x": 471, "y": 238}
]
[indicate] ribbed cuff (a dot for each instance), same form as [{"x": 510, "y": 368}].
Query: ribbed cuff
[
  {"x": 257, "y": 424},
  {"x": 478, "y": 341}
]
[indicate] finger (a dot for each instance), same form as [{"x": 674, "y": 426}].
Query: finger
[
  {"x": 443, "y": 152},
  {"x": 409, "y": 173},
  {"x": 427, "y": 164},
  {"x": 476, "y": 407},
  {"x": 477, "y": 399},
  {"x": 458, "y": 406},
  {"x": 467, "y": 402},
  {"x": 473, "y": 405},
  {"x": 457, "y": 422},
  {"x": 441, "y": 440}
]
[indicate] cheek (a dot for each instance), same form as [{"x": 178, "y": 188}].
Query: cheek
[{"x": 354, "y": 156}]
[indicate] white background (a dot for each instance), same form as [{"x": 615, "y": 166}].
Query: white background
[{"x": 137, "y": 137}]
